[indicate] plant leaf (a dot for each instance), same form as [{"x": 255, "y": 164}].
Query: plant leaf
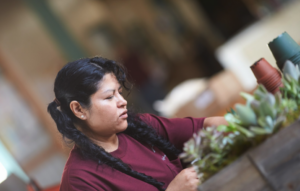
[
  {"x": 245, "y": 131},
  {"x": 259, "y": 130},
  {"x": 246, "y": 114}
]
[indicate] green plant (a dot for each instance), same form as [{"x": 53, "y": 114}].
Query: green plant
[
  {"x": 291, "y": 89},
  {"x": 264, "y": 114},
  {"x": 213, "y": 148}
]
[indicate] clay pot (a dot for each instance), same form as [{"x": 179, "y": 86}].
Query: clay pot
[
  {"x": 267, "y": 75},
  {"x": 285, "y": 48}
]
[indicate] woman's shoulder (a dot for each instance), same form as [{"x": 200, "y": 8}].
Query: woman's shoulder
[
  {"x": 80, "y": 172},
  {"x": 150, "y": 119},
  {"x": 77, "y": 161}
]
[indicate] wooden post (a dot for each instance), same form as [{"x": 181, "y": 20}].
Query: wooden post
[{"x": 20, "y": 82}]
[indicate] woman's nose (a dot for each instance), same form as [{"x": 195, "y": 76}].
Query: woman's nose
[{"x": 122, "y": 102}]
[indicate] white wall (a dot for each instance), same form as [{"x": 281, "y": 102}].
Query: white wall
[{"x": 240, "y": 52}]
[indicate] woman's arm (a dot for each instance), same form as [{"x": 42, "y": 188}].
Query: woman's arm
[
  {"x": 175, "y": 130},
  {"x": 214, "y": 121}
]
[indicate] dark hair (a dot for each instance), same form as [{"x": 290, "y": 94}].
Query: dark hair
[{"x": 78, "y": 80}]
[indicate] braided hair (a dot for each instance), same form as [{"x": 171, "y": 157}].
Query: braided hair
[{"x": 78, "y": 80}]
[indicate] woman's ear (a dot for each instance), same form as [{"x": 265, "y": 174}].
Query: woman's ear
[{"x": 78, "y": 110}]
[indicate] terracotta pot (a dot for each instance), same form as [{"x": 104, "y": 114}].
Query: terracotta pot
[
  {"x": 267, "y": 75},
  {"x": 261, "y": 68}
]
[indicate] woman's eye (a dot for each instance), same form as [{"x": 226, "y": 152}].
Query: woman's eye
[{"x": 110, "y": 97}]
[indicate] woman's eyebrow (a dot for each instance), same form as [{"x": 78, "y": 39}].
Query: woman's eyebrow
[
  {"x": 113, "y": 90},
  {"x": 109, "y": 90}
]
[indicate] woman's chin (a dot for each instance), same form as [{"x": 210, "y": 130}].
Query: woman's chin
[{"x": 123, "y": 127}]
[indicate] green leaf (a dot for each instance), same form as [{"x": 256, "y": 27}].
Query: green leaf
[
  {"x": 297, "y": 71},
  {"x": 259, "y": 130},
  {"x": 245, "y": 131},
  {"x": 255, "y": 106},
  {"x": 228, "y": 139},
  {"x": 259, "y": 95},
  {"x": 289, "y": 69},
  {"x": 223, "y": 128},
  {"x": 232, "y": 111},
  {"x": 262, "y": 122},
  {"x": 247, "y": 97},
  {"x": 188, "y": 159},
  {"x": 183, "y": 155},
  {"x": 278, "y": 99},
  {"x": 279, "y": 122},
  {"x": 262, "y": 89},
  {"x": 270, "y": 122},
  {"x": 266, "y": 109},
  {"x": 246, "y": 114},
  {"x": 287, "y": 85},
  {"x": 230, "y": 118},
  {"x": 270, "y": 98}
]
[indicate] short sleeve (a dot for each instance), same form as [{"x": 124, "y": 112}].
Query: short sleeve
[
  {"x": 78, "y": 180},
  {"x": 175, "y": 130}
]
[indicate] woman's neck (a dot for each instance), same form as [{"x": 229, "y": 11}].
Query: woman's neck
[{"x": 109, "y": 144}]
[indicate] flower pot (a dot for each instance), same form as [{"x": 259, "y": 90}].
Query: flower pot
[
  {"x": 285, "y": 48},
  {"x": 267, "y": 75}
]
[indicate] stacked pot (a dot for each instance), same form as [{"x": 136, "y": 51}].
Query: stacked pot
[{"x": 283, "y": 48}]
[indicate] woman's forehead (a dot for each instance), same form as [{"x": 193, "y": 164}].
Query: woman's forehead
[{"x": 108, "y": 81}]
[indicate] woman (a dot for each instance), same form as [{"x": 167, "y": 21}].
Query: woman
[{"x": 114, "y": 149}]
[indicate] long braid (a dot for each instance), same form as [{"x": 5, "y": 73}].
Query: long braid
[{"x": 77, "y": 81}]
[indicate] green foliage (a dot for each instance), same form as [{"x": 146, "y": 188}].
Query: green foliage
[
  {"x": 290, "y": 90},
  {"x": 264, "y": 114}
]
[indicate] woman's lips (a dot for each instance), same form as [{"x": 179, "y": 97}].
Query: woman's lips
[{"x": 124, "y": 115}]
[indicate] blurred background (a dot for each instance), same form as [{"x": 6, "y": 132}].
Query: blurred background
[{"x": 185, "y": 58}]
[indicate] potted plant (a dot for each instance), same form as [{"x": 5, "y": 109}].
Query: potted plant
[{"x": 259, "y": 143}]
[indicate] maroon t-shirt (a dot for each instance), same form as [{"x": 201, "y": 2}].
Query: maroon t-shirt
[{"x": 82, "y": 175}]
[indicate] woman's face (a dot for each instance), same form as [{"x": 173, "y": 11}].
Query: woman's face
[{"x": 107, "y": 114}]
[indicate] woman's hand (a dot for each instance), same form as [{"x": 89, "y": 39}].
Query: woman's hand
[
  {"x": 214, "y": 122},
  {"x": 186, "y": 180}
]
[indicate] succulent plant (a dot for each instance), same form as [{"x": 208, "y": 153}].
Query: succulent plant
[
  {"x": 264, "y": 114},
  {"x": 291, "y": 81},
  {"x": 291, "y": 90},
  {"x": 208, "y": 151},
  {"x": 213, "y": 148},
  {"x": 290, "y": 69}
]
